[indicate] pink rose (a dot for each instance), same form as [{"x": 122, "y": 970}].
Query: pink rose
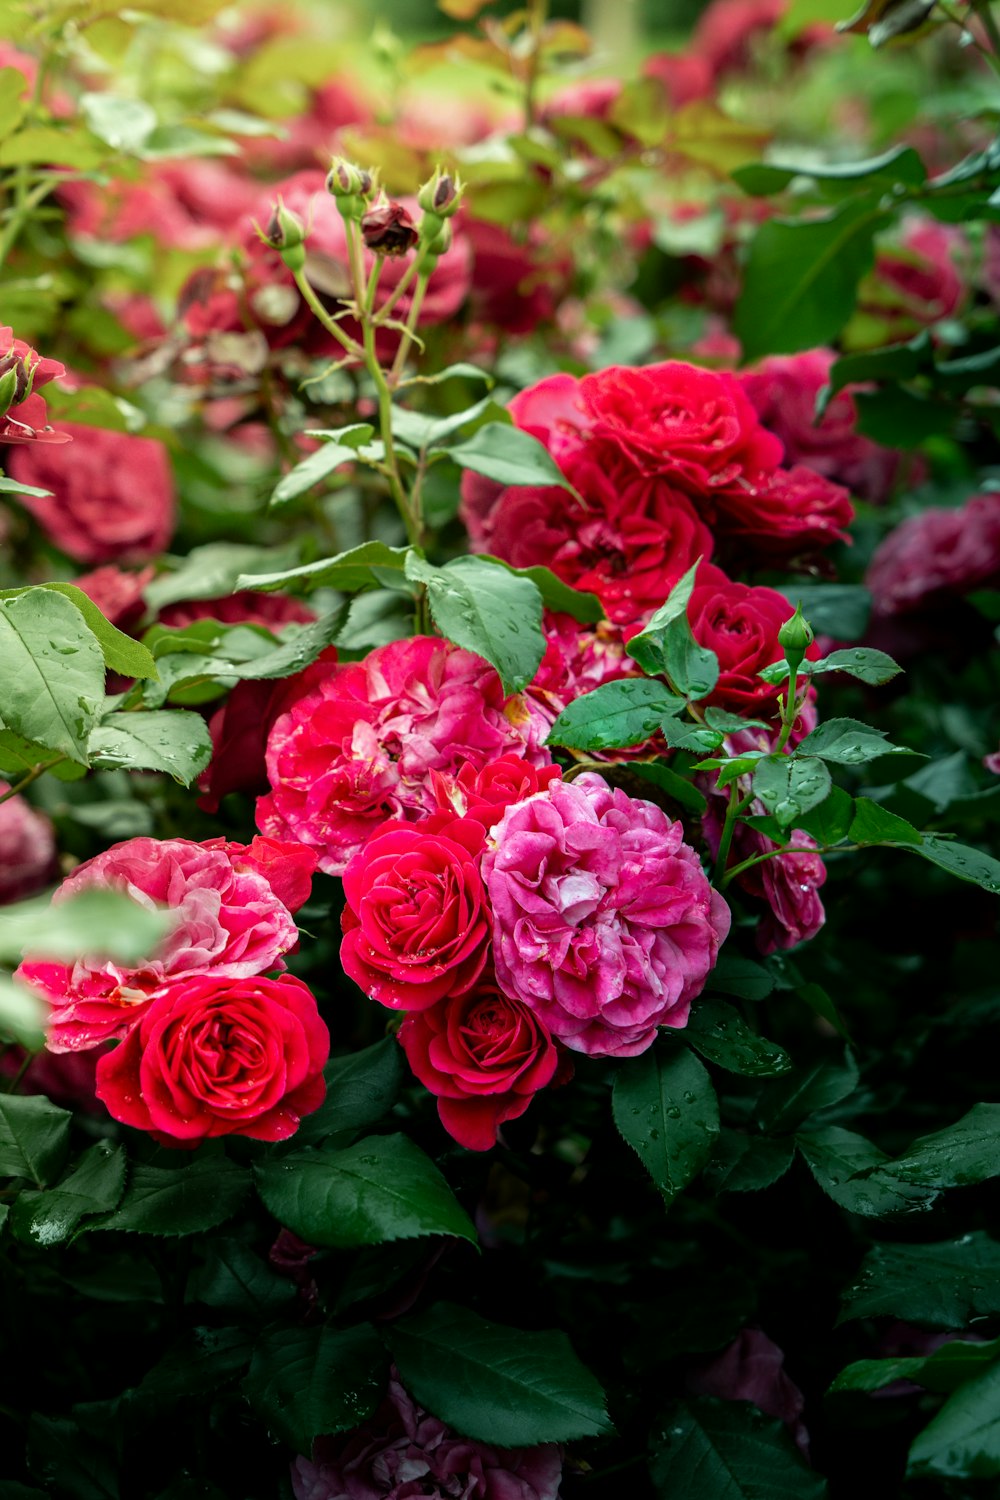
[
  {"x": 484, "y": 1056},
  {"x": 740, "y": 624},
  {"x": 784, "y": 388},
  {"x": 515, "y": 285},
  {"x": 226, "y": 920},
  {"x": 935, "y": 555},
  {"x": 287, "y": 868},
  {"x": 604, "y": 923},
  {"x": 215, "y": 1055},
  {"x": 357, "y": 752},
  {"x": 579, "y": 658},
  {"x": 416, "y": 924},
  {"x": 112, "y": 494},
  {"x": 915, "y": 282},
  {"x": 684, "y": 75},
  {"x": 117, "y": 594},
  {"x": 787, "y": 884},
  {"x": 27, "y": 849},
  {"x": 402, "y": 1452}
]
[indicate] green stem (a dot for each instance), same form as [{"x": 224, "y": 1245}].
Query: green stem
[
  {"x": 16, "y": 1081},
  {"x": 538, "y": 15},
  {"x": 385, "y": 311},
  {"x": 734, "y": 807},
  {"x": 28, "y": 778},
  {"x": 399, "y": 363},
  {"x": 322, "y": 316}
]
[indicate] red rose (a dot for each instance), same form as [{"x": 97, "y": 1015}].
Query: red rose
[
  {"x": 416, "y": 924},
  {"x": 740, "y": 624},
  {"x": 244, "y": 608},
  {"x": 112, "y": 494},
  {"x": 215, "y": 1057},
  {"x": 485, "y": 794},
  {"x": 288, "y": 868},
  {"x": 515, "y": 286},
  {"x": 785, "y": 514},
  {"x": 629, "y": 540},
  {"x": 484, "y": 1055},
  {"x": 695, "y": 427}
]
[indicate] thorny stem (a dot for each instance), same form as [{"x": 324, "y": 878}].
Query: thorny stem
[
  {"x": 399, "y": 363},
  {"x": 734, "y": 807},
  {"x": 25, "y": 198},
  {"x": 382, "y": 391},
  {"x": 320, "y": 313}
]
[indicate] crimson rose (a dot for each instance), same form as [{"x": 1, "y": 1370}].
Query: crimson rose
[
  {"x": 484, "y": 1055},
  {"x": 740, "y": 624},
  {"x": 219, "y": 1056},
  {"x": 416, "y": 924}
]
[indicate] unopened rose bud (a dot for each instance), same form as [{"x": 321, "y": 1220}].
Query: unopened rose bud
[
  {"x": 441, "y": 195},
  {"x": 15, "y": 379},
  {"x": 387, "y": 229},
  {"x": 285, "y": 230},
  {"x": 795, "y": 637},
  {"x": 345, "y": 180}
]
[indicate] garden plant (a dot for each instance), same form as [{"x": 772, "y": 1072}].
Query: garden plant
[{"x": 499, "y": 586}]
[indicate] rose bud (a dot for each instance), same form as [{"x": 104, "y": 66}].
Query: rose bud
[
  {"x": 387, "y": 229},
  {"x": 345, "y": 180},
  {"x": 285, "y": 233},
  {"x": 795, "y": 637}
]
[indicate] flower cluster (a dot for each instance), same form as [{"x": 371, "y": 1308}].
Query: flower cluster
[{"x": 208, "y": 1044}]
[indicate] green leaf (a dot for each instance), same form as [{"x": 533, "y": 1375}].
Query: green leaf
[
  {"x": 42, "y": 145},
  {"x": 74, "y": 1461},
  {"x": 24, "y": 1015},
  {"x": 172, "y": 740},
  {"x": 834, "y": 1156},
  {"x": 816, "y": 997},
  {"x": 501, "y": 1385},
  {"x": 704, "y": 1449},
  {"x": 361, "y": 1087},
  {"x": 789, "y": 786},
  {"x": 10, "y": 486},
  {"x": 676, "y": 787},
  {"x": 200, "y": 1195},
  {"x": 900, "y": 165},
  {"x": 235, "y": 1279},
  {"x": 319, "y": 465},
  {"x": 801, "y": 278},
  {"x": 125, "y": 124},
  {"x": 943, "y": 1285},
  {"x": 616, "y": 714},
  {"x": 93, "y": 922},
  {"x": 358, "y": 568},
  {"x": 872, "y": 824},
  {"x": 747, "y": 1163},
  {"x": 866, "y": 664},
  {"x": 961, "y": 1155},
  {"x": 382, "y": 1188},
  {"x": 693, "y": 669},
  {"x": 212, "y": 571},
  {"x": 94, "y": 1186},
  {"x": 121, "y": 653},
  {"x": 420, "y": 430},
  {"x": 682, "y": 735},
  {"x": 838, "y": 609},
  {"x": 832, "y": 819},
  {"x": 486, "y": 610},
  {"x": 962, "y": 860},
  {"x": 304, "y": 1383},
  {"x": 665, "y": 1108},
  {"x": 34, "y": 1137},
  {"x": 847, "y": 742},
  {"x": 196, "y": 1365},
  {"x": 963, "y": 1440},
  {"x": 52, "y": 673},
  {"x": 720, "y": 1034},
  {"x": 742, "y": 977},
  {"x": 783, "y": 1104},
  {"x": 895, "y": 363},
  {"x": 648, "y": 647},
  {"x": 943, "y": 1371},
  {"x": 556, "y": 595},
  {"x": 508, "y": 455}
]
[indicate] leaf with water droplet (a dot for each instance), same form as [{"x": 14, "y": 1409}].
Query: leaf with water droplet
[
  {"x": 720, "y": 1034},
  {"x": 678, "y": 1114}
]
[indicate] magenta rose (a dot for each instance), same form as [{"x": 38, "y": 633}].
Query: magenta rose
[
  {"x": 416, "y": 924},
  {"x": 740, "y": 624},
  {"x": 112, "y": 494},
  {"x": 604, "y": 923},
  {"x": 915, "y": 282},
  {"x": 787, "y": 885},
  {"x": 357, "y": 752},
  {"x": 752, "y": 1368},
  {"x": 245, "y": 608},
  {"x": 27, "y": 849},
  {"x": 228, "y": 921},
  {"x": 403, "y": 1452},
  {"x": 937, "y": 554},
  {"x": 484, "y": 1056},
  {"x": 214, "y": 1055},
  {"x": 784, "y": 388}
]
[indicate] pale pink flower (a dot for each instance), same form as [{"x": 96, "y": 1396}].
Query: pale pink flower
[
  {"x": 228, "y": 921},
  {"x": 27, "y": 849}
]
